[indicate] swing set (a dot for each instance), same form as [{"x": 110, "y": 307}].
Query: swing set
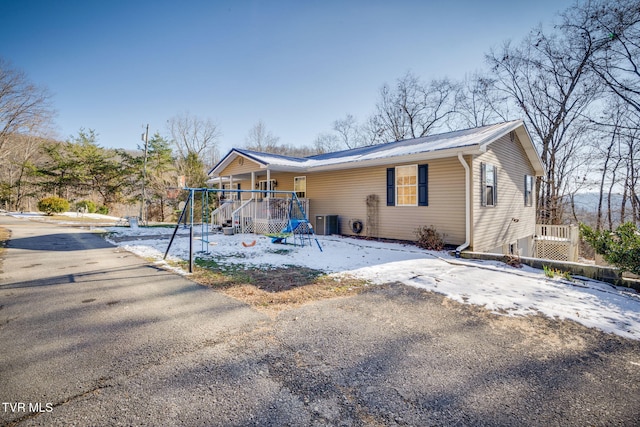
[{"x": 280, "y": 209}]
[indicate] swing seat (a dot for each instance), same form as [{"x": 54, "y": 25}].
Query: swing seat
[
  {"x": 285, "y": 232},
  {"x": 279, "y": 237}
]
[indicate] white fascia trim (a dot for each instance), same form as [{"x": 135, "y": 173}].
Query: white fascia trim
[
  {"x": 389, "y": 161},
  {"x": 493, "y": 138}
]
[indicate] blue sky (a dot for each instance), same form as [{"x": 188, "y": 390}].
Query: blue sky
[{"x": 114, "y": 66}]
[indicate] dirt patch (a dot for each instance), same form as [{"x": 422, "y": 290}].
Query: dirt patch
[{"x": 278, "y": 289}]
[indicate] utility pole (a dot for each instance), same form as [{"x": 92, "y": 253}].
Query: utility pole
[{"x": 143, "y": 210}]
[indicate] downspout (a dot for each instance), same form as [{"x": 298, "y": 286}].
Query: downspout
[{"x": 467, "y": 206}]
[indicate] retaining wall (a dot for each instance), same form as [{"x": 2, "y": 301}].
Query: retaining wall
[{"x": 597, "y": 272}]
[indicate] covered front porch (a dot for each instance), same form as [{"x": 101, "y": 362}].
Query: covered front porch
[
  {"x": 257, "y": 199},
  {"x": 259, "y": 215}
]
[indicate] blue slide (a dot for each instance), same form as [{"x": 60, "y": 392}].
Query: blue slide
[{"x": 286, "y": 232}]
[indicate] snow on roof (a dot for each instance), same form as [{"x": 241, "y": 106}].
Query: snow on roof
[
  {"x": 468, "y": 138},
  {"x": 268, "y": 158},
  {"x": 444, "y": 141}
]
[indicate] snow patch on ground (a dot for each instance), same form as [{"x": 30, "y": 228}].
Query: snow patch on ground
[
  {"x": 494, "y": 285},
  {"x": 68, "y": 214}
]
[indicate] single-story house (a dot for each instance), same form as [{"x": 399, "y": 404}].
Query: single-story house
[{"x": 474, "y": 186}]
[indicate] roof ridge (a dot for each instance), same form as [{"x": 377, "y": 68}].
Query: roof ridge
[{"x": 400, "y": 141}]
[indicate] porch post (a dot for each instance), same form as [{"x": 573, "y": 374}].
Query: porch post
[
  {"x": 268, "y": 196},
  {"x": 254, "y": 209},
  {"x": 253, "y": 182},
  {"x": 268, "y": 182},
  {"x": 231, "y": 185}
]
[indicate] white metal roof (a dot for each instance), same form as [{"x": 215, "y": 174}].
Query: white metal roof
[{"x": 468, "y": 141}]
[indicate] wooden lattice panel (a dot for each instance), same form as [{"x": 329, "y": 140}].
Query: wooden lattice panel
[
  {"x": 269, "y": 227},
  {"x": 247, "y": 225},
  {"x": 552, "y": 249}
]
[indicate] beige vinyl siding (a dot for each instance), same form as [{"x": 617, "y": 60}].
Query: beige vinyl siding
[
  {"x": 235, "y": 168},
  {"x": 510, "y": 220},
  {"x": 284, "y": 180},
  {"x": 344, "y": 193}
]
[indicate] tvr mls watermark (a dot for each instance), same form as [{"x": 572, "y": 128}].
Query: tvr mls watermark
[{"x": 27, "y": 407}]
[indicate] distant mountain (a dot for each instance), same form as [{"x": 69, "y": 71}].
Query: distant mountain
[{"x": 589, "y": 201}]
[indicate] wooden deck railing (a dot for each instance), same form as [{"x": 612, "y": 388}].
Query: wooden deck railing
[
  {"x": 557, "y": 242},
  {"x": 224, "y": 212},
  {"x": 263, "y": 216},
  {"x": 559, "y": 232}
]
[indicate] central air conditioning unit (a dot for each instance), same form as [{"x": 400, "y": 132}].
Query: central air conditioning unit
[{"x": 326, "y": 225}]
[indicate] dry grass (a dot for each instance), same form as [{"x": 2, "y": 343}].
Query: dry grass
[
  {"x": 5, "y": 235},
  {"x": 276, "y": 290}
]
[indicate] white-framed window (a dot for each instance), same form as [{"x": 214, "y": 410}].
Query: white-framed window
[
  {"x": 528, "y": 190},
  {"x": 489, "y": 184},
  {"x": 407, "y": 185},
  {"x": 262, "y": 186},
  {"x": 230, "y": 195},
  {"x": 300, "y": 186}
]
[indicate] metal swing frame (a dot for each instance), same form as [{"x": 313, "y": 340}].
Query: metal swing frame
[{"x": 188, "y": 214}]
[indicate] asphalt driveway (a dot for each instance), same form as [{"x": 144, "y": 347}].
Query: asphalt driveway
[{"x": 92, "y": 335}]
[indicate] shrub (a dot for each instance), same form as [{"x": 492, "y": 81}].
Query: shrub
[
  {"x": 103, "y": 210},
  {"x": 553, "y": 272},
  {"x": 429, "y": 238},
  {"x": 620, "y": 248},
  {"x": 51, "y": 205},
  {"x": 88, "y": 205},
  {"x": 513, "y": 261}
]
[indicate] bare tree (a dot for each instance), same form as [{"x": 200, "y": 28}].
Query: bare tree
[
  {"x": 260, "y": 139},
  {"x": 479, "y": 102},
  {"x": 193, "y": 135},
  {"x": 615, "y": 25},
  {"x": 617, "y": 158},
  {"x": 413, "y": 109},
  {"x": 17, "y": 176},
  {"x": 295, "y": 151},
  {"x": 196, "y": 142},
  {"x": 548, "y": 79},
  {"x": 326, "y": 143},
  {"x": 349, "y": 132},
  {"x": 607, "y": 152},
  {"x": 632, "y": 176},
  {"x": 612, "y": 29},
  {"x": 24, "y": 107}
]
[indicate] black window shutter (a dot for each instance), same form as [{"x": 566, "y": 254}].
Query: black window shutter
[
  {"x": 391, "y": 186},
  {"x": 483, "y": 184},
  {"x": 495, "y": 186},
  {"x": 423, "y": 184},
  {"x": 239, "y": 197},
  {"x": 526, "y": 183}
]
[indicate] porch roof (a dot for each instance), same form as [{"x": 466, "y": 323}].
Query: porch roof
[{"x": 468, "y": 141}]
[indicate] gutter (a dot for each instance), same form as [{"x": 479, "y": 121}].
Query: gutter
[{"x": 467, "y": 206}]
